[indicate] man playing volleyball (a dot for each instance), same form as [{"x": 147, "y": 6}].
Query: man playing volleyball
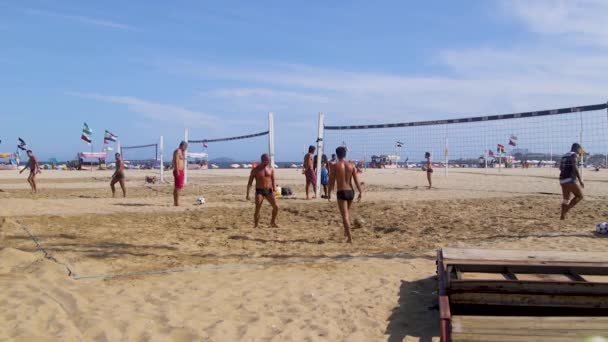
[
  {"x": 342, "y": 174},
  {"x": 179, "y": 162},
  {"x": 429, "y": 168},
  {"x": 264, "y": 189},
  {"x": 568, "y": 176},
  {"x": 119, "y": 176},
  {"x": 309, "y": 172},
  {"x": 32, "y": 164}
]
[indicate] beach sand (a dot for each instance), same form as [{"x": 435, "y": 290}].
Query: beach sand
[{"x": 76, "y": 264}]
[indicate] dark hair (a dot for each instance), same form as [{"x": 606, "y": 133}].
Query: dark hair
[
  {"x": 265, "y": 155},
  {"x": 183, "y": 143},
  {"x": 116, "y": 154},
  {"x": 324, "y": 158},
  {"x": 311, "y": 149},
  {"x": 576, "y": 147},
  {"x": 28, "y": 151},
  {"x": 427, "y": 154},
  {"x": 341, "y": 152}
]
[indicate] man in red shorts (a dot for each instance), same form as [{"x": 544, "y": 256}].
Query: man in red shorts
[{"x": 179, "y": 163}]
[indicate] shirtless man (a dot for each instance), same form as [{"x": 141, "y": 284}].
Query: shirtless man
[
  {"x": 264, "y": 189},
  {"x": 119, "y": 176},
  {"x": 342, "y": 174},
  {"x": 309, "y": 172},
  {"x": 32, "y": 164},
  {"x": 179, "y": 162},
  {"x": 568, "y": 176},
  {"x": 429, "y": 168}
]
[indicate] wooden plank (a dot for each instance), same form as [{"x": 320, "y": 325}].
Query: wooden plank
[
  {"x": 526, "y": 263},
  {"x": 450, "y": 254},
  {"x": 564, "y": 301},
  {"x": 529, "y": 322},
  {"x": 445, "y": 314},
  {"x": 528, "y": 287},
  {"x": 531, "y": 269},
  {"x": 461, "y": 337}
]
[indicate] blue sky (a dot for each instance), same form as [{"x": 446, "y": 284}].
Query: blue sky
[{"x": 142, "y": 69}]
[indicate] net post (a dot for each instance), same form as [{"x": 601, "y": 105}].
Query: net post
[
  {"x": 319, "y": 153},
  {"x": 447, "y": 160},
  {"x": 271, "y": 138},
  {"x": 162, "y": 159},
  {"x": 580, "y": 139},
  {"x": 186, "y": 158},
  {"x": 118, "y": 147}
]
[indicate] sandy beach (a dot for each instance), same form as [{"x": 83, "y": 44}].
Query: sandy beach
[{"x": 76, "y": 264}]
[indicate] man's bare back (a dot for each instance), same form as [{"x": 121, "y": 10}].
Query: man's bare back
[{"x": 342, "y": 175}]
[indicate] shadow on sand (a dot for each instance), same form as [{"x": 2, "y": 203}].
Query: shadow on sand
[{"x": 416, "y": 314}]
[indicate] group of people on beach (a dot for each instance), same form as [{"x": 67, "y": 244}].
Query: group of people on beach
[{"x": 337, "y": 173}]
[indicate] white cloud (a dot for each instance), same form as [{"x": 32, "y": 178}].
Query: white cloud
[
  {"x": 157, "y": 111},
  {"x": 582, "y": 21},
  {"x": 82, "y": 19}
]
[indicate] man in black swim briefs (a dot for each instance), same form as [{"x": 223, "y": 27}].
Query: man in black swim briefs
[
  {"x": 264, "y": 189},
  {"x": 119, "y": 176},
  {"x": 342, "y": 174},
  {"x": 568, "y": 176}
]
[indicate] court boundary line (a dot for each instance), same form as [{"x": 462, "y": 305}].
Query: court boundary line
[
  {"x": 46, "y": 254},
  {"x": 303, "y": 260}
]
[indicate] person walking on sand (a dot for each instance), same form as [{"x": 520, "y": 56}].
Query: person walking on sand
[
  {"x": 32, "y": 165},
  {"x": 568, "y": 176},
  {"x": 119, "y": 176},
  {"x": 342, "y": 175},
  {"x": 263, "y": 175},
  {"x": 309, "y": 172},
  {"x": 179, "y": 162},
  {"x": 324, "y": 175},
  {"x": 429, "y": 168}
]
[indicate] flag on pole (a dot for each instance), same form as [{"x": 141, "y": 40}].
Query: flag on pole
[
  {"x": 500, "y": 148},
  {"x": 86, "y": 134},
  {"x": 109, "y": 136},
  {"x": 399, "y": 144},
  {"x": 513, "y": 140},
  {"x": 22, "y": 145}
]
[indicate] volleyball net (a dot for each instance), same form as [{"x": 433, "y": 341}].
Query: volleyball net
[
  {"x": 230, "y": 152},
  {"x": 145, "y": 156},
  {"x": 528, "y": 139}
]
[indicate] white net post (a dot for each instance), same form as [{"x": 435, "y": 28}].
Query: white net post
[
  {"x": 319, "y": 152},
  {"x": 162, "y": 159},
  {"x": 447, "y": 160},
  {"x": 271, "y": 138},
  {"x": 186, "y": 158},
  {"x": 580, "y": 139}
]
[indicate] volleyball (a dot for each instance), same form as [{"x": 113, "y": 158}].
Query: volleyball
[
  {"x": 602, "y": 228},
  {"x": 200, "y": 200}
]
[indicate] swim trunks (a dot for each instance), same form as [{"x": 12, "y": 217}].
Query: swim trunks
[
  {"x": 311, "y": 177},
  {"x": 264, "y": 192},
  {"x": 119, "y": 176},
  {"x": 179, "y": 179},
  {"x": 345, "y": 195}
]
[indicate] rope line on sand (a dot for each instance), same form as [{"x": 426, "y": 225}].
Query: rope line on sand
[
  {"x": 343, "y": 257},
  {"x": 247, "y": 265},
  {"x": 47, "y": 255}
]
